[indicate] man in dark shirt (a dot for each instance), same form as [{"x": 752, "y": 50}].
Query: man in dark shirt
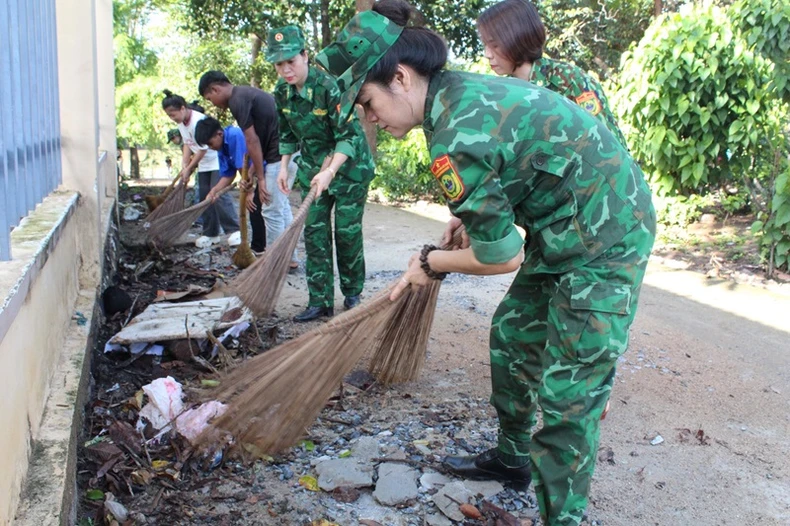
[{"x": 256, "y": 114}]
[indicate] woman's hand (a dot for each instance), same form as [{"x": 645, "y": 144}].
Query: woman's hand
[
  {"x": 414, "y": 276},
  {"x": 322, "y": 180},
  {"x": 282, "y": 182},
  {"x": 184, "y": 173},
  {"x": 455, "y": 236}
]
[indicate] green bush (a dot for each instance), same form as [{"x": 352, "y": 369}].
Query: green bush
[
  {"x": 693, "y": 100},
  {"x": 403, "y": 168}
]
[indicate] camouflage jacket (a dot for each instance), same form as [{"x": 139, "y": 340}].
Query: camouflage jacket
[
  {"x": 509, "y": 153},
  {"x": 310, "y": 122},
  {"x": 571, "y": 82}
]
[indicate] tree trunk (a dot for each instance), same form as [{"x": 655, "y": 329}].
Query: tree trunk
[
  {"x": 134, "y": 162},
  {"x": 326, "y": 29},
  {"x": 368, "y": 127},
  {"x": 255, "y": 79},
  {"x": 658, "y": 7}
]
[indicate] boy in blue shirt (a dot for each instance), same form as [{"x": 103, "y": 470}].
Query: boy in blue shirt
[{"x": 230, "y": 146}]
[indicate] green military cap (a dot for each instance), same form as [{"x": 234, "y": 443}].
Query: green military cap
[
  {"x": 283, "y": 43},
  {"x": 172, "y": 134},
  {"x": 359, "y": 46}
]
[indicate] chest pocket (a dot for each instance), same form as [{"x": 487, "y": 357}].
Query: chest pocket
[{"x": 554, "y": 210}]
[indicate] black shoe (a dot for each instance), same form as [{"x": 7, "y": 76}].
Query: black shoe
[
  {"x": 487, "y": 465},
  {"x": 351, "y": 301},
  {"x": 313, "y": 313}
]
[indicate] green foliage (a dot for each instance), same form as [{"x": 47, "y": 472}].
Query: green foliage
[
  {"x": 680, "y": 210},
  {"x": 766, "y": 27},
  {"x": 773, "y": 221},
  {"x": 403, "y": 168},
  {"x": 593, "y": 34},
  {"x": 694, "y": 105}
]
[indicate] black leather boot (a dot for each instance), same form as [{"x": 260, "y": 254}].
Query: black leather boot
[
  {"x": 488, "y": 465},
  {"x": 313, "y": 313},
  {"x": 351, "y": 301}
]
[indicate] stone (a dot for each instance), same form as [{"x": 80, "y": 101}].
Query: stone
[
  {"x": 431, "y": 480},
  {"x": 366, "y": 448},
  {"x": 448, "y": 498},
  {"x": 343, "y": 473},
  {"x": 485, "y": 488},
  {"x": 437, "y": 519},
  {"x": 397, "y": 484}
]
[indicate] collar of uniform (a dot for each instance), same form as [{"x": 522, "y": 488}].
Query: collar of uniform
[
  {"x": 536, "y": 74},
  {"x": 308, "y": 84},
  {"x": 433, "y": 89}
]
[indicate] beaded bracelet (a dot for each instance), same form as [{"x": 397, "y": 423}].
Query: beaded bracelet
[{"x": 427, "y": 249}]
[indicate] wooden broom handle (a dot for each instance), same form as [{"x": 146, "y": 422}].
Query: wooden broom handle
[
  {"x": 245, "y": 175},
  {"x": 171, "y": 185}
]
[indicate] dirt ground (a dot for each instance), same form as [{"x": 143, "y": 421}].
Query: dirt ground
[{"x": 697, "y": 435}]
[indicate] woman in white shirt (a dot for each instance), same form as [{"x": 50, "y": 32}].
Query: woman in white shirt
[{"x": 222, "y": 213}]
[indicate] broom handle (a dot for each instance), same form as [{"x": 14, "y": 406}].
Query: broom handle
[
  {"x": 305, "y": 206},
  {"x": 171, "y": 185},
  {"x": 245, "y": 175}
]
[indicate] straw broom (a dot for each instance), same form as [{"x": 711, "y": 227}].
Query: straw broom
[
  {"x": 260, "y": 285},
  {"x": 166, "y": 230},
  {"x": 243, "y": 257},
  {"x": 153, "y": 201},
  {"x": 399, "y": 353},
  {"x": 275, "y": 396},
  {"x": 173, "y": 203}
]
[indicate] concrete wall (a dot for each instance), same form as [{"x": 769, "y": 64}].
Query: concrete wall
[{"x": 49, "y": 289}]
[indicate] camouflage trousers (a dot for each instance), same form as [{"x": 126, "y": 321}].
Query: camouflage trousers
[
  {"x": 555, "y": 340},
  {"x": 349, "y": 205}
]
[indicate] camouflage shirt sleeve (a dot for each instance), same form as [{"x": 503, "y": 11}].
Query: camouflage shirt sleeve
[
  {"x": 289, "y": 142},
  {"x": 470, "y": 180}
]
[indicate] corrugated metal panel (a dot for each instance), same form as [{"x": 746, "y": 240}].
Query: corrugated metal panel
[{"x": 29, "y": 111}]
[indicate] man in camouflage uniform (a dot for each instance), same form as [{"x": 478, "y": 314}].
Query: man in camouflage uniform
[
  {"x": 310, "y": 122},
  {"x": 508, "y": 153}
]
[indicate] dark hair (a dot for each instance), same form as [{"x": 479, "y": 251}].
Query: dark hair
[
  {"x": 417, "y": 47},
  {"x": 515, "y": 27},
  {"x": 172, "y": 100},
  {"x": 195, "y": 105},
  {"x": 205, "y": 130},
  {"x": 211, "y": 77}
]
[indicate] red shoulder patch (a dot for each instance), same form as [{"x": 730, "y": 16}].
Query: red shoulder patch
[
  {"x": 444, "y": 171},
  {"x": 590, "y": 102}
]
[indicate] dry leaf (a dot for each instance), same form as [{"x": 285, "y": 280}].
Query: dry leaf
[
  {"x": 309, "y": 483},
  {"x": 323, "y": 522},
  {"x": 159, "y": 465},
  {"x": 470, "y": 512}
]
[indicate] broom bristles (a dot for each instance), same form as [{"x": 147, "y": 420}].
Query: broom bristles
[
  {"x": 172, "y": 203},
  {"x": 399, "y": 354},
  {"x": 166, "y": 230},
  {"x": 260, "y": 285},
  {"x": 275, "y": 396}
]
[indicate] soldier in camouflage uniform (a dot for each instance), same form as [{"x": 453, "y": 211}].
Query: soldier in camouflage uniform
[
  {"x": 514, "y": 37},
  {"x": 508, "y": 153},
  {"x": 334, "y": 156}
]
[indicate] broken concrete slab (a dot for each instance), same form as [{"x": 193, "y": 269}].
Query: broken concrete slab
[
  {"x": 343, "y": 472},
  {"x": 448, "y": 498},
  {"x": 175, "y": 321},
  {"x": 432, "y": 479},
  {"x": 397, "y": 484},
  {"x": 437, "y": 519},
  {"x": 484, "y": 488}
]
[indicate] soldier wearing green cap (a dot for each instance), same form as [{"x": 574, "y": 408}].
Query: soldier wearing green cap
[
  {"x": 335, "y": 159},
  {"x": 508, "y": 153}
]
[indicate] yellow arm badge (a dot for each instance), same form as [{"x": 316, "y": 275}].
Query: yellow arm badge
[
  {"x": 320, "y": 112},
  {"x": 590, "y": 102},
  {"x": 448, "y": 178}
]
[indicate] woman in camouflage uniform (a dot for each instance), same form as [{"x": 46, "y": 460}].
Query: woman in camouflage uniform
[
  {"x": 508, "y": 153},
  {"x": 514, "y": 37},
  {"x": 335, "y": 157}
]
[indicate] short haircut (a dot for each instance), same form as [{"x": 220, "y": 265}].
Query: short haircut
[
  {"x": 516, "y": 28},
  {"x": 211, "y": 77},
  {"x": 205, "y": 130}
]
